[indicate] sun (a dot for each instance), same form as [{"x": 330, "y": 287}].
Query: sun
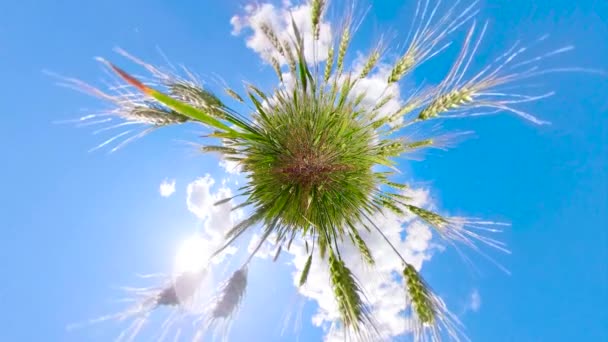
[{"x": 192, "y": 255}]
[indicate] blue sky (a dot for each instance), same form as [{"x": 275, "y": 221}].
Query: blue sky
[{"x": 77, "y": 225}]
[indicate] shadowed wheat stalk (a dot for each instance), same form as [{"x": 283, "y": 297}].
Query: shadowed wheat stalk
[
  {"x": 319, "y": 163},
  {"x": 180, "y": 293}
]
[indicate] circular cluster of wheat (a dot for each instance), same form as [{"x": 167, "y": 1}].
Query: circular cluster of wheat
[{"x": 320, "y": 163}]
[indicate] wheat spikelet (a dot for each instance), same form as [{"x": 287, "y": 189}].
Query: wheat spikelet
[
  {"x": 154, "y": 116},
  {"x": 463, "y": 230},
  {"x": 427, "y": 39},
  {"x": 442, "y": 142},
  {"x": 389, "y": 204},
  {"x": 486, "y": 88},
  {"x": 360, "y": 97},
  {"x": 347, "y": 293},
  {"x": 397, "y": 186},
  {"x": 420, "y": 295},
  {"x": 291, "y": 59},
  {"x": 445, "y": 102},
  {"x": 317, "y": 12},
  {"x": 403, "y": 65},
  {"x": 305, "y": 271},
  {"x": 343, "y": 47},
  {"x": 382, "y": 102},
  {"x": 128, "y": 106},
  {"x": 277, "y": 68},
  {"x": 404, "y": 110},
  {"x": 277, "y": 254},
  {"x": 181, "y": 289},
  {"x": 224, "y": 150},
  {"x": 428, "y": 216},
  {"x": 431, "y": 318},
  {"x": 329, "y": 64},
  {"x": 347, "y": 86},
  {"x": 257, "y": 91},
  {"x": 363, "y": 248},
  {"x": 419, "y": 144},
  {"x": 272, "y": 38},
  {"x": 230, "y": 295},
  {"x": 234, "y": 95},
  {"x": 370, "y": 63},
  {"x": 197, "y": 97},
  {"x": 416, "y": 99},
  {"x": 322, "y": 248},
  {"x": 392, "y": 149}
]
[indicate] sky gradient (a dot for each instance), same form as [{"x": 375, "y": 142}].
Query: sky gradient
[{"x": 78, "y": 225}]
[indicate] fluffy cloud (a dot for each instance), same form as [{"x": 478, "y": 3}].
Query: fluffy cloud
[
  {"x": 167, "y": 187},
  {"x": 385, "y": 292},
  {"x": 279, "y": 18},
  {"x": 231, "y": 167},
  {"x": 218, "y": 219},
  {"x": 200, "y": 200}
]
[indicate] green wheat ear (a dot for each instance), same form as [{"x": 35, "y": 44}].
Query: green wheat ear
[
  {"x": 431, "y": 319},
  {"x": 318, "y": 164},
  {"x": 419, "y": 294}
]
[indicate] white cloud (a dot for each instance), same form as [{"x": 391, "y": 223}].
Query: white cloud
[
  {"x": 266, "y": 251},
  {"x": 384, "y": 293},
  {"x": 474, "y": 301},
  {"x": 218, "y": 219},
  {"x": 167, "y": 187},
  {"x": 200, "y": 200},
  {"x": 231, "y": 167},
  {"x": 279, "y": 18}
]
